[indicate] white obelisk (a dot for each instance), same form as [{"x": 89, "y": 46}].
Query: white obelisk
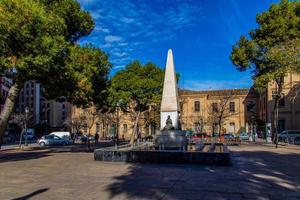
[{"x": 169, "y": 102}]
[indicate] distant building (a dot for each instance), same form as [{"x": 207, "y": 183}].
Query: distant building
[
  {"x": 30, "y": 96},
  {"x": 194, "y": 107},
  {"x": 289, "y": 105},
  {"x": 43, "y": 111},
  {"x": 54, "y": 113},
  {"x": 238, "y": 106}
]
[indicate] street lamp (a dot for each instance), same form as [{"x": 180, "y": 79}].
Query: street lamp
[
  {"x": 119, "y": 103},
  {"x": 26, "y": 116}
]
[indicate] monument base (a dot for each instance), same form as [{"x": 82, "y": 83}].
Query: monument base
[{"x": 171, "y": 140}]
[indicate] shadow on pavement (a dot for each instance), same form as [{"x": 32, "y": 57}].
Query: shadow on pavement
[
  {"x": 254, "y": 175},
  {"x": 40, "y": 152},
  {"x": 28, "y": 196}
]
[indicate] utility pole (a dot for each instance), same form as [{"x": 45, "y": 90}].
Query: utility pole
[{"x": 26, "y": 117}]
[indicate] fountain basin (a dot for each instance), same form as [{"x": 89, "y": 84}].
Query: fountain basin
[{"x": 221, "y": 158}]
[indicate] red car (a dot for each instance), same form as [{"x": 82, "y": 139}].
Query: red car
[{"x": 198, "y": 136}]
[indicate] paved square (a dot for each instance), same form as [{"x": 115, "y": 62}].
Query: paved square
[{"x": 258, "y": 172}]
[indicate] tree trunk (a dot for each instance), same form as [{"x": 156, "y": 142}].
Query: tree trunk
[
  {"x": 88, "y": 141},
  {"x": 135, "y": 128},
  {"x": 275, "y": 122},
  {"x": 8, "y": 109},
  {"x": 279, "y": 82},
  {"x": 220, "y": 127}
]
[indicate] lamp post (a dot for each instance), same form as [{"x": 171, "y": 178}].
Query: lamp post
[
  {"x": 26, "y": 116},
  {"x": 119, "y": 103},
  {"x": 117, "y": 129}
]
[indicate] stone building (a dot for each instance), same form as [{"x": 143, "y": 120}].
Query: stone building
[
  {"x": 289, "y": 104},
  {"x": 112, "y": 124},
  {"x": 200, "y": 109},
  {"x": 50, "y": 113},
  {"x": 243, "y": 111}
]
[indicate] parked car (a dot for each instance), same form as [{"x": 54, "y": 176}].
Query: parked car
[
  {"x": 49, "y": 140},
  {"x": 200, "y": 136},
  {"x": 8, "y": 139},
  {"x": 61, "y": 134},
  {"x": 289, "y": 136},
  {"x": 243, "y": 136},
  {"x": 228, "y": 136}
]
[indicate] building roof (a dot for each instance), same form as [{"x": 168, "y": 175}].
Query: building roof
[{"x": 244, "y": 91}]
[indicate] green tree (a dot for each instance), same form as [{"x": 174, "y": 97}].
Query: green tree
[
  {"x": 273, "y": 49},
  {"x": 38, "y": 42},
  {"x": 135, "y": 89}
]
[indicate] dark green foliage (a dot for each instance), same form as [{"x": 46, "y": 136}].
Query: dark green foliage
[
  {"x": 137, "y": 86},
  {"x": 37, "y": 42},
  {"x": 273, "y": 48}
]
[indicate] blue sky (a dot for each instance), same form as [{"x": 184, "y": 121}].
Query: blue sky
[{"x": 200, "y": 33}]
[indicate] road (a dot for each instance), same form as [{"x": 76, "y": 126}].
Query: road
[{"x": 258, "y": 172}]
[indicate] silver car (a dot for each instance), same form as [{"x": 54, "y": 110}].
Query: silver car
[{"x": 49, "y": 140}]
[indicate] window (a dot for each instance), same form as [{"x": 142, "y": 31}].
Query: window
[
  {"x": 231, "y": 107},
  {"x": 63, "y": 106},
  {"x": 97, "y": 128},
  {"x": 250, "y": 106},
  {"x": 125, "y": 128},
  {"x": 231, "y": 128},
  {"x": 197, "y": 106},
  {"x": 181, "y": 106},
  {"x": 281, "y": 125},
  {"x": 196, "y": 126},
  {"x": 281, "y": 102},
  {"x": 63, "y": 115},
  {"x": 214, "y": 107}
]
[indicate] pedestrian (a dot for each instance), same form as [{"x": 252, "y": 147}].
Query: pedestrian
[{"x": 96, "y": 138}]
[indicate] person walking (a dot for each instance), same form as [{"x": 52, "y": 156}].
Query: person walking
[{"x": 96, "y": 138}]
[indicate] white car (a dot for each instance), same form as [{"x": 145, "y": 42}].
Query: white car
[{"x": 49, "y": 140}]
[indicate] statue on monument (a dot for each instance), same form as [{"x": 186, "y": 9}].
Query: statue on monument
[{"x": 169, "y": 124}]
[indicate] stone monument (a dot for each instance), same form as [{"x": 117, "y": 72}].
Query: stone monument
[
  {"x": 170, "y": 137},
  {"x": 169, "y": 103}
]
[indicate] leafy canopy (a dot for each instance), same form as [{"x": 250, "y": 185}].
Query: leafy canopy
[
  {"x": 38, "y": 42},
  {"x": 137, "y": 86},
  {"x": 272, "y": 49}
]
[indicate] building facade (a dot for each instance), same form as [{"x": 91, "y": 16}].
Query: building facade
[
  {"x": 231, "y": 111},
  {"x": 49, "y": 113},
  {"x": 289, "y": 104}
]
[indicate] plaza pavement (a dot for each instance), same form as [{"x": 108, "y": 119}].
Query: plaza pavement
[{"x": 258, "y": 172}]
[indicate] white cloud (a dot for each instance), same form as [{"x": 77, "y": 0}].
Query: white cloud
[
  {"x": 101, "y": 29},
  {"x": 120, "y": 54},
  {"x": 119, "y": 66},
  {"x": 112, "y": 38},
  {"x": 127, "y": 20},
  {"x": 134, "y": 25},
  {"x": 106, "y": 45}
]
